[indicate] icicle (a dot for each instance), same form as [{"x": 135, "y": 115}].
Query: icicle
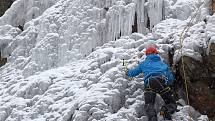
[
  {"x": 155, "y": 12},
  {"x": 120, "y": 19},
  {"x": 130, "y": 14},
  {"x": 141, "y": 19}
]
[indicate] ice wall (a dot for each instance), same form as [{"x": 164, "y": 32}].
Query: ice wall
[
  {"x": 67, "y": 31},
  {"x": 92, "y": 89},
  {"x": 22, "y": 11},
  {"x": 72, "y": 29},
  {"x": 7, "y": 35}
]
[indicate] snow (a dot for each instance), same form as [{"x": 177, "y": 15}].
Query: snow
[
  {"x": 7, "y": 34},
  {"x": 93, "y": 88},
  {"x": 183, "y": 9},
  {"x": 23, "y": 11},
  {"x": 81, "y": 27},
  {"x": 67, "y": 63}
]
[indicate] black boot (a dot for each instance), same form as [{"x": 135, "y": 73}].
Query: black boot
[
  {"x": 165, "y": 113},
  {"x": 154, "y": 118},
  {"x": 170, "y": 106}
]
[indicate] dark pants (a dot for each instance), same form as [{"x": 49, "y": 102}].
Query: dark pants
[{"x": 157, "y": 85}]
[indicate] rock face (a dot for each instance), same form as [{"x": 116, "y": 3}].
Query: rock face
[
  {"x": 4, "y": 5},
  {"x": 201, "y": 81},
  {"x": 3, "y": 61},
  {"x": 213, "y": 6}
]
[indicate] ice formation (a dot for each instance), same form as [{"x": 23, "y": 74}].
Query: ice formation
[
  {"x": 23, "y": 11},
  {"x": 67, "y": 63},
  {"x": 91, "y": 89},
  {"x": 71, "y": 29}
]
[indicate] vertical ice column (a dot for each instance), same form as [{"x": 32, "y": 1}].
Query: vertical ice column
[
  {"x": 141, "y": 21},
  {"x": 119, "y": 21},
  {"x": 103, "y": 3},
  {"x": 129, "y": 18},
  {"x": 112, "y": 20},
  {"x": 155, "y": 12},
  {"x": 108, "y": 3}
]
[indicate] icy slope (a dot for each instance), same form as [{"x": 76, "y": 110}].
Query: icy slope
[
  {"x": 91, "y": 89},
  {"x": 59, "y": 31},
  {"x": 65, "y": 32},
  {"x": 87, "y": 82}
]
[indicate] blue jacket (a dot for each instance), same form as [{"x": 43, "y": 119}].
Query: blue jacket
[{"x": 152, "y": 66}]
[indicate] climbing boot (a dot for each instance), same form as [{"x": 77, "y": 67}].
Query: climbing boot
[
  {"x": 165, "y": 114},
  {"x": 154, "y": 118}
]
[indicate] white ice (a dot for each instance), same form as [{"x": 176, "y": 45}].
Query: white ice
[{"x": 67, "y": 63}]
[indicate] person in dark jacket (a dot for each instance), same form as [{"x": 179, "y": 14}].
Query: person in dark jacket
[{"x": 157, "y": 79}]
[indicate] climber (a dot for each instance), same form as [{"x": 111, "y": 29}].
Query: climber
[{"x": 157, "y": 79}]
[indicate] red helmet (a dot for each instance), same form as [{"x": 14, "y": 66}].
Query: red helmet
[{"x": 151, "y": 50}]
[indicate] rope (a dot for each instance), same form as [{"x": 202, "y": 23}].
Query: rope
[{"x": 186, "y": 29}]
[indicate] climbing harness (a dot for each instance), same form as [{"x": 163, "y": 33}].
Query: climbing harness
[{"x": 165, "y": 90}]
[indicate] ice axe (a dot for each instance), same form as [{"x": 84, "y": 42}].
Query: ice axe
[{"x": 125, "y": 66}]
